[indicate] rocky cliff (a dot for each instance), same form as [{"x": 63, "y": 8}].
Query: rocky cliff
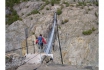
[{"x": 78, "y": 30}]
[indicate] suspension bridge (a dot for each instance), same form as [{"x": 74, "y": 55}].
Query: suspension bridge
[
  {"x": 34, "y": 61},
  {"x": 37, "y": 57}
]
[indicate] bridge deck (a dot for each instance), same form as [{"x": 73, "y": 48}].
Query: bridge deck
[{"x": 54, "y": 67}]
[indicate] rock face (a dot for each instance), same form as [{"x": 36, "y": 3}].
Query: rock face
[
  {"x": 77, "y": 48},
  {"x": 25, "y": 8},
  {"x": 15, "y": 33},
  {"x": 81, "y": 51},
  {"x": 13, "y": 60}
]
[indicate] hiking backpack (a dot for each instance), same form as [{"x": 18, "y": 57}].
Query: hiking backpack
[{"x": 40, "y": 40}]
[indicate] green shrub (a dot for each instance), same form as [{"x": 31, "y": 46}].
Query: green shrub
[
  {"x": 93, "y": 29},
  {"x": 10, "y": 3},
  {"x": 59, "y": 11},
  {"x": 86, "y": 12},
  {"x": 24, "y": 0},
  {"x": 31, "y": 18},
  {"x": 90, "y": 4},
  {"x": 62, "y": 22},
  {"x": 81, "y": 7},
  {"x": 96, "y": 14},
  {"x": 43, "y": 0},
  {"x": 27, "y": 6},
  {"x": 42, "y": 7},
  {"x": 34, "y": 12},
  {"x": 74, "y": 0},
  {"x": 54, "y": 2},
  {"x": 81, "y": 4},
  {"x": 96, "y": 3},
  {"x": 59, "y": 27},
  {"x": 12, "y": 17},
  {"x": 22, "y": 14},
  {"x": 62, "y": 6},
  {"x": 88, "y": 32},
  {"x": 47, "y": 8},
  {"x": 84, "y": 4},
  {"x": 8, "y": 59},
  {"x": 46, "y": 2},
  {"x": 66, "y": 20},
  {"x": 42, "y": 13},
  {"x": 97, "y": 23},
  {"x": 67, "y": 4},
  {"x": 33, "y": 33},
  {"x": 89, "y": 9}
]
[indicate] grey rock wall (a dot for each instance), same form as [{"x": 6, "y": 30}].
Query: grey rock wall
[{"x": 77, "y": 49}]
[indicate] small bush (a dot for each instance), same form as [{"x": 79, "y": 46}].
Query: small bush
[
  {"x": 66, "y": 20},
  {"x": 33, "y": 33},
  {"x": 34, "y": 12},
  {"x": 62, "y": 6},
  {"x": 96, "y": 3},
  {"x": 96, "y": 14},
  {"x": 43, "y": 0},
  {"x": 10, "y": 3},
  {"x": 25, "y": 0},
  {"x": 47, "y": 2},
  {"x": 97, "y": 23},
  {"x": 89, "y": 9},
  {"x": 74, "y": 0},
  {"x": 90, "y": 4},
  {"x": 62, "y": 22},
  {"x": 71, "y": 5},
  {"x": 86, "y": 12},
  {"x": 81, "y": 7},
  {"x": 12, "y": 17},
  {"x": 54, "y": 2},
  {"x": 27, "y": 6},
  {"x": 67, "y": 4},
  {"x": 81, "y": 4},
  {"x": 59, "y": 27},
  {"x": 59, "y": 11},
  {"x": 47, "y": 8},
  {"x": 42, "y": 7},
  {"x": 22, "y": 14},
  {"x": 42, "y": 13},
  {"x": 93, "y": 29},
  {"x": 31, "y": 18},
  {"x": 88, "y": 32}
]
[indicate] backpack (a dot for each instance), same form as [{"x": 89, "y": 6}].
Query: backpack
[{"x": 40, "y": 40}]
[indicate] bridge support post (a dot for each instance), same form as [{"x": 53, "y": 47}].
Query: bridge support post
[
  {"x": 26, "y": 35},
  {"x": 59, "y": 42}
]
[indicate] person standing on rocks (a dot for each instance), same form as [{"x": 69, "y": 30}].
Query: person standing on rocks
[{"x": 40, "y": 41}]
